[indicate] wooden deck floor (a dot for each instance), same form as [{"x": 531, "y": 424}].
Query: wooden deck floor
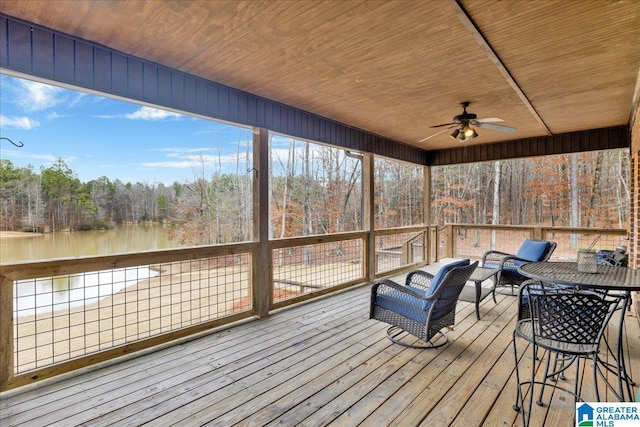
[{"x": 323, "y": 363}]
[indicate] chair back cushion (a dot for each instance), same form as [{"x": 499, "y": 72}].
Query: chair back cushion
[
  {"x": 437, "y": 279},
  {"x": 533, "y": 250},
  {"x": 449, "y": 288}
]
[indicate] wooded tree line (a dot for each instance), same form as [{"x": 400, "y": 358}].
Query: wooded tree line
[
  {"x": 317, "y": 189},
  {"x": 576, "y": 190},
  {"x": 54, "y": 199}
]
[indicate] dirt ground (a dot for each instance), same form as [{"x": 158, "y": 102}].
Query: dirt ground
[{"x": 178, "y": 297}]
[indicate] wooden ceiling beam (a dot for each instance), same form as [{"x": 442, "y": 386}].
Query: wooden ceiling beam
[{"x": 462, "y": 15}]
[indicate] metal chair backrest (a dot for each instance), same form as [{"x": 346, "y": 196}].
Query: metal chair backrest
[{"x": 567, "y": 315}]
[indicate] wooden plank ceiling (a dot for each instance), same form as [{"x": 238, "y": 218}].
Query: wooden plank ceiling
[{"x": 393, "y": 68}]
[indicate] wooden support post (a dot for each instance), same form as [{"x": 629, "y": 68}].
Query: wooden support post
[
  {"x": 448, "y": 235},
  {"x": 6, "y": 332},
  {"x": 537, "y": 233},
  {"x": 368, "y": 216},
  {"x": 426, "y": 215},
  {"x": 262, "y": 263},
  {"x": 453, "y": 245},
  {"x": 406, "y": 255}
]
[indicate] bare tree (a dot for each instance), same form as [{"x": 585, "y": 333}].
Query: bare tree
[{"x": 495, "y": 216}]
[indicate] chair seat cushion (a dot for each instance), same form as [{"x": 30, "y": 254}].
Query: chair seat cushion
[
  {"x": 508, "y": 269},
  {"x": 511, "y": 269},
  {"x": 491, "y": 264},
  {"x": 533, "y": 250},
  {"x": 403, "y": 304},
  {"x": 412, "y": 307}
]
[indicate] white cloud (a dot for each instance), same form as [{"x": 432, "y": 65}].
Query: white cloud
[
  {"x": 184, "y": 160},
  {"x": 209, "y": 159},
  {"x": 107, "y": 116},
  {"x": 44, "y": 158},
  {"x": 190, "y": 161},
  {"x": 18, "y": 123},
  {"x": 79, "y": 98},
  {"x": 173, "y": 165},
  {"x": 149, "y": 113},
  {"x": 55, "y": 115},
  {"x": 181, "y": 152},
  {"x": 39, "y": 96}
]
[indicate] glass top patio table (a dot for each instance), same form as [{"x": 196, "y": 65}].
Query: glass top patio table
[{"x": 607, "y": 277}]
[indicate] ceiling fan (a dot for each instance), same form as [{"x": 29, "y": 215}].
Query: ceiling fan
[{"x": 463, "y": 123}]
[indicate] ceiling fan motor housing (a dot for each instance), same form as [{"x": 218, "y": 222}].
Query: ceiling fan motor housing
[{"x": 464, "y": 117}]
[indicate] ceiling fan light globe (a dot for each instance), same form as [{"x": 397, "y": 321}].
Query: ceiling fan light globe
[
  {"x": 455, "y": 134},
  {"x": 468, "y": 131}
]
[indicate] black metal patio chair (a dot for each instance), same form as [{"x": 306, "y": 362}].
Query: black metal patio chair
[
  {"x": 423, "y": 306},
  {"x": 567, "y": 323}
]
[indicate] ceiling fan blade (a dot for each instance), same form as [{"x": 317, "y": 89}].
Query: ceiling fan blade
[
  {"x": 500, "y": 128},
  {"x": 444, "y": 124},
  {"x": 490, "y": 120},
  {"x": 435, "y": 134}
]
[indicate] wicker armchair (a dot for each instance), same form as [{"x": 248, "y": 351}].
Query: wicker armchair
[
  {"x": 423, "y": 306},
  {"x": 530, "y": 251}
]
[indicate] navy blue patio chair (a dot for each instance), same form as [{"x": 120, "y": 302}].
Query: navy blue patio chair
[
  {"x": 423, "y": 306},
  {"x": 531, "y": 250}
]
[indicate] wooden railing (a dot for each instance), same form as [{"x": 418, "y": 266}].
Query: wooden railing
[
  {"x": 471, "y": 240},
  {"x": 397, "y": 249},
  {"x": 61, "y": 315},
  {"x": 125, "y": 303},
  {"x": 307, "y": 267}
]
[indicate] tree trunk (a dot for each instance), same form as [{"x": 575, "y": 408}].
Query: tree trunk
[
  {"x": 595, "y": 192},
  {"x": 574, "y": 219},
  {"x": 495, "y": 219}
]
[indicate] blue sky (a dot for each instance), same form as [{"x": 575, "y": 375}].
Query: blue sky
[{"x": 99, "y": 136}]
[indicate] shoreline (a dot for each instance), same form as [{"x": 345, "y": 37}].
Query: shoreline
[{"x": 17, "y": 234}]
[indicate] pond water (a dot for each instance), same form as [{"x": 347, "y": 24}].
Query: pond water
[
  {"x": 125, "y": 238},
  {"x": 63, "y": 292}
]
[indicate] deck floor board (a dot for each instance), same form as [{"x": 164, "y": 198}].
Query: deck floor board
[{"x": 317, "y": 364}]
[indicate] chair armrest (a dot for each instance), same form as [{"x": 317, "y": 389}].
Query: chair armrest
[
  {"x": 511, "y": 259},
  {"x": 399, "y": 288},
  {"x": 494, "y": 255},
  {"x": 420, "y": 279}
]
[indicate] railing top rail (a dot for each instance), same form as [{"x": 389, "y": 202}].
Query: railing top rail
[
  {"x": 584, "y": 230},
  {"x": 335, "y": 237},
  {"x": 400, "y": 230},
  {"x": 287, "y": 242},
  {"x": 62, "y": 266},
  {"x": 587, "y": 230}
]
